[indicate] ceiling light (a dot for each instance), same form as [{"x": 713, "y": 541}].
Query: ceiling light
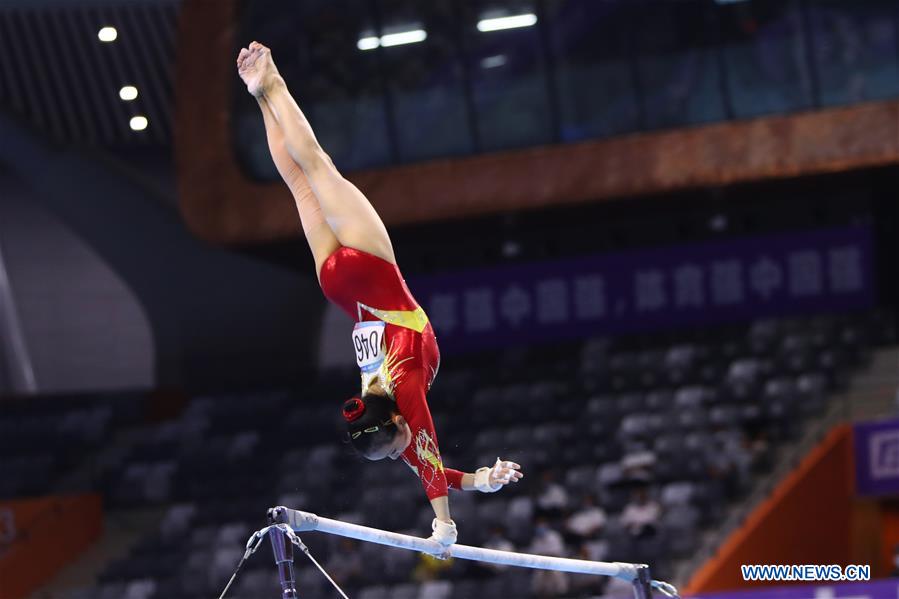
[
  {"x": 128, "y": 93},
  {"x": 368, "y": 43},
  {"x": 404, "y": 37},
  {"x": 139, "y": 123},
  {"x": 398, "y": 38},
  {"x": 510, "y": 22},
  {"x": 107, "y": 34},
  {"x": 491, "y": 62}
]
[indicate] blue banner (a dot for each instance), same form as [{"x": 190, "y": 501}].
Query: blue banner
[
  {"x": 877, "y": 457},
  {"x": 875, "y": 589},
  {"x": 681, "y": 286}
]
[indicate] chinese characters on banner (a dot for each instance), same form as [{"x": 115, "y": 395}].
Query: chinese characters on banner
[
  {"x": 877, "y": 457},
  {"x": 690, "y": 285}
]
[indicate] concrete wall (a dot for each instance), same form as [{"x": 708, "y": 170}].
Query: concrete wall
[
  {"x": 216, "y": 318},
  {"x": 82, "y": 326}
]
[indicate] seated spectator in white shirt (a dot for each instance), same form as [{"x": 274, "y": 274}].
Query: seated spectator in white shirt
[
  {"x": 588, "y": 520},
  {"x": 497, "y": 540},
  {"x": 641, "y": 516},
  {"x": 548, "y": 583},
  {"x": 588, "y": 585}
]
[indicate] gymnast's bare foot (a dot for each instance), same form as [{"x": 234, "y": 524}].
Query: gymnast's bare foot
[{"x": 257, "y": 69}]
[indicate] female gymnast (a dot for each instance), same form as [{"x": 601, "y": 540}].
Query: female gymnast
[{"x": 395, "y": 345}]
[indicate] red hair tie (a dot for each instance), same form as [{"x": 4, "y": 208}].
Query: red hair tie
[{"x": 353, "y": 409}]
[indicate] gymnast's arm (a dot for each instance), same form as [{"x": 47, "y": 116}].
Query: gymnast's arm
[
  {"x": 487, "y": 480},
  {"x": 423, "y": 454}
]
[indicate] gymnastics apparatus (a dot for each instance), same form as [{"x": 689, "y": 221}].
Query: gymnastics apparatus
[
  {"x": 284, "y": 523},
  {"x": 358, "y": 272}
]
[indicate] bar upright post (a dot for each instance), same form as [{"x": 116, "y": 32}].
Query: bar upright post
[
  {"x": 643, "y": 583},
  {"x": 283, "y": 550}
]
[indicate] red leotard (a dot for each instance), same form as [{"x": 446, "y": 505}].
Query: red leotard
[{"x": 370, "y": 288}]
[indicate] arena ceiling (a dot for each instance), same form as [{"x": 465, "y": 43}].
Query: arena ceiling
[{"x": 57, "y": 75}]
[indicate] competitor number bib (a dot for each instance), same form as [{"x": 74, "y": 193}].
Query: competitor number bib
[{"x": 368, "y": 338}]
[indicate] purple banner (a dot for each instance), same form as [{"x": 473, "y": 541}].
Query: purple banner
[
  {"x": 875, "y": 589},
  {"x": 877, "y": 457},
  {"x": 681, "y": 286}
]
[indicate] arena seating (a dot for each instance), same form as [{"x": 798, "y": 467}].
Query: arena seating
[
  {"x": 42, "y": 439},
  {"x": 690, "y": 417}
]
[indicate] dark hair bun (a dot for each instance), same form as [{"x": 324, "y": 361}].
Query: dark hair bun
[{"x": 353, "y": 409}]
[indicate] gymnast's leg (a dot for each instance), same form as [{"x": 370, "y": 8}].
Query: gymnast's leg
[
  {"x": 346, "y": 210},
  {"x": 319, "y": 235}
]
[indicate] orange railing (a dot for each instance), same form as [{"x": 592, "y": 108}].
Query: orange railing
[{"x": 806, "y": 520}]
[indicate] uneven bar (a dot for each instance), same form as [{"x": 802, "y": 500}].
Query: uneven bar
[{"x": 301, "y": 521}]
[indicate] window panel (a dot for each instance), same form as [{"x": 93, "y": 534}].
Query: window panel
[
  {"x": 336, "y": 85},
  {"x": 677, "y": 64},
  {"x": 571, "y": 70},
  {"x": 508, "y": 72},
  {"x": 765, "y": 54},
  {"x": 425, "y": 80},
  {"x": 594, "y": 71},
  {"x": 854, "y": 49}
]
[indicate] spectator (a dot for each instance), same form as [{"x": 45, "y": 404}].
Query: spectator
[
  {"x": 641, "y": 516},
  {"x": 596, "y": 550},
  {"x": 497, "y": 540},
  {"x": 552, "y": 499},
  {"x": 617, "y": 588},
  {"x": 582, "y": 585},
  {"x": 735, "y": 460},
  {"x": 727, "y": 463},
  {"x": 345, "y": 563},
  {"x": 758, "y": 447},
  {"x": 638, "y": 466},
  {"x": 548, "y": 583},
  {"x": 587, "y": 521}
]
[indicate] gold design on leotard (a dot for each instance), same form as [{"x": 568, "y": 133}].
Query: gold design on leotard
[
  {"x": 415, "y": 319},
  {"x": 389, "y": 374},
  {"x": 427, "y": 451},
  {"x": 428, "y": 455},
  {"x": 391, "y": 371}
]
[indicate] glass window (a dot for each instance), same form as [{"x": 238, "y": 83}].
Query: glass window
[
  {"x": 765, "y": 53},
  {"x": 508, "y": 72},
  {"x": 336, "y": 85},
  {"x": 677, "y": 62},
  {"x": 854, "y": 49},
  {"x": 387, "y": 81},
  {"x": 593, "y": 68},
  {"x": 340, "y": 85},
  {"x": 425, "y": 80}
]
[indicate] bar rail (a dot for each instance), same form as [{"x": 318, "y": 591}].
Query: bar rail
[{"x": 301, "y": 521}]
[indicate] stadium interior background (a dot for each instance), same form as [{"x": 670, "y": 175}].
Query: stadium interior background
[{"x": 658, "y": 240}]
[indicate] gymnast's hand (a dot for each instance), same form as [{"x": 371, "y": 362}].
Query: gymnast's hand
[
  {"x": 445, "y": 534},
  {"x": 490, "y": 479}
]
